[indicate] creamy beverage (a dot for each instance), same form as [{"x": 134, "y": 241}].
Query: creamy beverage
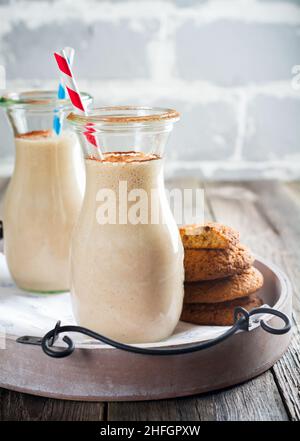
[
  {"x": 42, "y": 204},
  {"x": 127, "y": 276}
]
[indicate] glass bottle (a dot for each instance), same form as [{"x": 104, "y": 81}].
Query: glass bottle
[
  {"x": 45, "y": 192},
  {"x": 126, "y": 254}
]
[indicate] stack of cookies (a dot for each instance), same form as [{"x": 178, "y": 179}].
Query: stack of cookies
[{"x": 219, "y": 275}]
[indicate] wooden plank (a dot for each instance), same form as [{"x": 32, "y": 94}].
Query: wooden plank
[
  {"x": 281, "y": 205},
  {"x": 256, "y": 400},
  {"x": 287, "y": 376},
  {"x": 22, "y": 407},
  {"x": 294, "y": 189},
  {"x": 268, "y": 219}
]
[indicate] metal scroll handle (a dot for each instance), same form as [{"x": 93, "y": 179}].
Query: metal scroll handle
[{"x": 241, "y": 323}]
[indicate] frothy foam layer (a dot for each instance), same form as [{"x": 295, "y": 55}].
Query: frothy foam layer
[
  {"x": 128, "y": 157},
  {"x": 36, "y": 134}
]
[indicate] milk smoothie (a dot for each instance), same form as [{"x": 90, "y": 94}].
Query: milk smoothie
[
  {"x": 41, "y": 206},
  {"x": 127, "y": 280},
  {"x": 126, "y": 263}
]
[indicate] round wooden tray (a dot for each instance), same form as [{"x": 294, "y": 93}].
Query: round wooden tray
[{"x": 108, "y": 374}]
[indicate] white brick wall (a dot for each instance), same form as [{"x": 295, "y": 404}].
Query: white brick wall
[{"x": 226, "y": 65}]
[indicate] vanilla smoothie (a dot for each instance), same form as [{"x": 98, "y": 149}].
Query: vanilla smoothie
[
  {"x": 127, "y": 276},
  {"x": 42, "y": 204}
]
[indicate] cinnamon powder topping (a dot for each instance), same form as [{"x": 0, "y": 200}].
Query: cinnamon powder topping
[
  {"x": 127, "y": 157},
  {"x": 36, "y": 134}
]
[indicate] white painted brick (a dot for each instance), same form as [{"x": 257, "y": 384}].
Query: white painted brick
[
  {"x": 175, "y": 53},
  {"x": 205, "y": 132},
  {"x": 273, "y": 130},
  {"x": 103, "y": 50},
  {"x": 231, "y": 53}
]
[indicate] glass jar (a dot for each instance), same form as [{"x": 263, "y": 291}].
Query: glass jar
[
  {"x": 126, "y": 254},
  {"x": 45, "y": 192}
]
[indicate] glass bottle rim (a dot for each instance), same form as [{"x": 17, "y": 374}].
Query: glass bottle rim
[
  {"x": 113, "y": 116},
  {"x": 39, "y": 99}
]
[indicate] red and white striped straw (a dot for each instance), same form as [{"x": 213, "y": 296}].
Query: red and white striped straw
[{"x": 74, "y": 94}]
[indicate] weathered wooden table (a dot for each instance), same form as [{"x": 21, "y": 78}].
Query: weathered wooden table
[{"x": 268, "y": 216}]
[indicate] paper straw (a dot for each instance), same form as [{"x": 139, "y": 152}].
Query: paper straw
[
  {"x": 61, "y": 93},
  {"x": 70, "y": 52},
  {"x": 74, "y": 95}
]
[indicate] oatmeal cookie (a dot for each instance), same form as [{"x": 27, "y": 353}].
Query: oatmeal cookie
[
  {"x": 217, "y": 314},
  {"x": 209, "y": 264},
  {"x": 209, "y": 235},
  {"x": 222, "y": 290}
]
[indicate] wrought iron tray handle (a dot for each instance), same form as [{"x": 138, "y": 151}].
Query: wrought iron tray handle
[{"x": 241, "y": 323}]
